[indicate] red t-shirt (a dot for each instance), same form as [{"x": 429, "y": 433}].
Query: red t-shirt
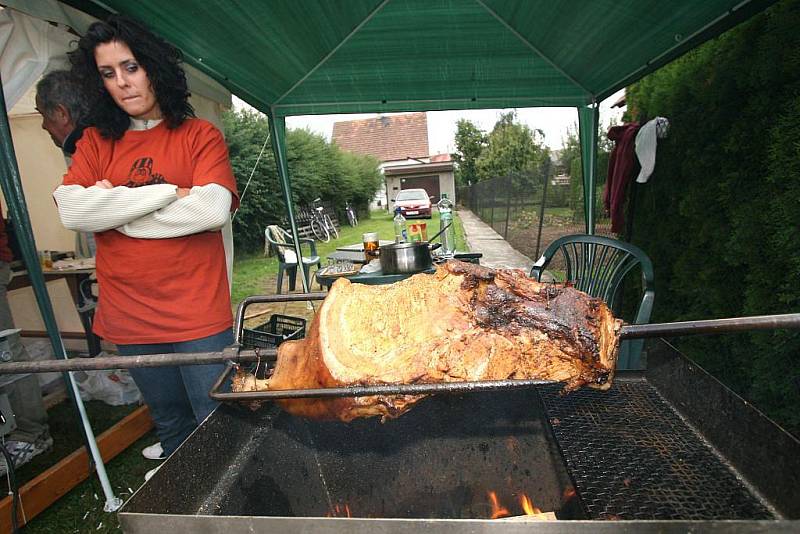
[{"x": 158, "y": 290}]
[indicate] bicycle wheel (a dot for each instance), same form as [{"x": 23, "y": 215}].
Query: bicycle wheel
[
  {"x": 320, "y": 231},
  {"x": 351, "y": 218},
  {"x": 330, "y": 226}
]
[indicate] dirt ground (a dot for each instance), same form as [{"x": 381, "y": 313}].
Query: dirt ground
[{"x": 522, "y": 235}]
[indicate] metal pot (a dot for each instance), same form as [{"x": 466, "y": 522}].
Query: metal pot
[{"x": 403, "y": 258}]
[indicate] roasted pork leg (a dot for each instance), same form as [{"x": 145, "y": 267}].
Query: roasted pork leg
[{"x": 463, "y": 323}]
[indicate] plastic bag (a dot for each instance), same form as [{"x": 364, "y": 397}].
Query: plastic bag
[{"x": 114, "y": 387}]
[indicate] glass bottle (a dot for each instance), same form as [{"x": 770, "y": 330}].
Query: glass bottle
[
  {"x": 448, "y": 236},
  {"x": 400, "y": 229}
]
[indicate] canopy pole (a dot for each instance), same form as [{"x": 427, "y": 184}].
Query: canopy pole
[
  {"x": 17, "y": 208},
  {"x": 588, "y": 123},
  {"x": 277, "y": 133}
]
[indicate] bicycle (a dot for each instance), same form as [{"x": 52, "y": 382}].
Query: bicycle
[
  {"x": 321, "y": 223},
  {"x": 351, "y": 214}
]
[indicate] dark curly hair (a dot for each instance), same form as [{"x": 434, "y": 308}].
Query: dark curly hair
[{"x": 160, "y": 60}]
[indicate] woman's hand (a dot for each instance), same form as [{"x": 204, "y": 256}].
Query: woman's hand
[
  {"x": 183, "y": 191},
  {"x": 104, "y": 184}
]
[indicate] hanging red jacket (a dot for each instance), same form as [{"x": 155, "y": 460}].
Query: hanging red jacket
[{"x": 622, "y": 167}]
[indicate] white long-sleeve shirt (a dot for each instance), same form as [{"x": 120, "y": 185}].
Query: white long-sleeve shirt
[
  {"x": 149, "y": 212},
  {"x": 95, "y": 209}
]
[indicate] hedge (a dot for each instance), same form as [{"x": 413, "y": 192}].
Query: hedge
[{"x": 720, "y": 217}]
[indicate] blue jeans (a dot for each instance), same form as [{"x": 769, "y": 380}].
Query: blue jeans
[{"x": 178, "y": 396}]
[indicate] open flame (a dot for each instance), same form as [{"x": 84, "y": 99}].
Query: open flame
[
  {"x": 527, "y": 505},
  {"x": 497, "y": 509},
  {"x": 339, "y": 511}
]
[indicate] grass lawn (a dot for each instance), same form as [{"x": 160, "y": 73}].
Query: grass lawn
[{"x": 252, "y": 273}]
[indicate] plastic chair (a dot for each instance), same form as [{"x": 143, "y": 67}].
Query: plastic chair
[
  {"x": 281, "y": 241},
  {"x": 597, "y": 265}
]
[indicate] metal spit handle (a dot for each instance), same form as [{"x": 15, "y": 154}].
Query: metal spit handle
[{"x": 711, "y": 326}]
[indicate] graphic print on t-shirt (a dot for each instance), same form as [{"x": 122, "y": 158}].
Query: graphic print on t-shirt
[{"x": 141, "y": 173}]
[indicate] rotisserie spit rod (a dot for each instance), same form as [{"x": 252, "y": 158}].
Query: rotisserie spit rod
[
  {"x": 711, "y": 326},
  {"x": 233, "y": 355}
]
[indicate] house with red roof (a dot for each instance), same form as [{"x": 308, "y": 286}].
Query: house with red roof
[{"x": 400, "y": 143}]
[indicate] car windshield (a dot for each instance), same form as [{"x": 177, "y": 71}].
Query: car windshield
[{"x": 412, "y": 195}]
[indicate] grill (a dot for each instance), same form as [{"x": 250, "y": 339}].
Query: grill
[
  {"x": 633, "y": 457},
  {"x": 670, "y": 443}
]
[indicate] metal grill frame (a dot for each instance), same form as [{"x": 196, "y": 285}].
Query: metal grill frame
[{"x": 734, "y": 434}]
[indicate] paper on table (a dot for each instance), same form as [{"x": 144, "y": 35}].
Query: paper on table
[
  {"x": 81, "y": 263},
  {"x": 372, "y": 267}
]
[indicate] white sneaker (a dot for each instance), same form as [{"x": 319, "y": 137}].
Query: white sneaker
[
  {"x": 154, "y": 452},
  {"x": 149, "y": 474},
  {"x": 22, "y": 451}
]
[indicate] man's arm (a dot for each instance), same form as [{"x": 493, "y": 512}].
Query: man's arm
[
  {"x": 205, "y": 208},
  {"x": 102, "y": 207}
]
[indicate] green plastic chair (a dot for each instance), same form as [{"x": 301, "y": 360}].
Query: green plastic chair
[
  {"x": 597, "y": 265},
  {"x": 281, "y": 241}
]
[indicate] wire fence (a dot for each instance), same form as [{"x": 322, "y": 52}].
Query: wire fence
[{"x": 530, "y": 210}]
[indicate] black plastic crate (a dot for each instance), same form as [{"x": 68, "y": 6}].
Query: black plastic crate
[{"x": 278, "y": 329}]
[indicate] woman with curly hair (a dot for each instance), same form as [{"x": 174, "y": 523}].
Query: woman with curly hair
[{"x": 156, "y": 187}]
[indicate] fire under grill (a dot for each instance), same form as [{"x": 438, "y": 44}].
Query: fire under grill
[{"x": 670, "y": 443}]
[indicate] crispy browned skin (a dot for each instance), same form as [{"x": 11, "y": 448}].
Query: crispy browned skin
[{"x": 464, "y": 323}]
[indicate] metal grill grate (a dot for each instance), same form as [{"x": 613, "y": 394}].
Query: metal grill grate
[{"x": 632, "y": 457}]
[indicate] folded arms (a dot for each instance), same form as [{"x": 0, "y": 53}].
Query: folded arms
[{"x": 150, "y": 212}]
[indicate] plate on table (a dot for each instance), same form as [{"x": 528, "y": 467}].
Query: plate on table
[{"x": 335, "y": 270}]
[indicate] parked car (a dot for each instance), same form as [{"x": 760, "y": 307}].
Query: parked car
[{"x": 413, "y": 203}]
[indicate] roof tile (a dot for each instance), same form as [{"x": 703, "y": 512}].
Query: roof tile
[{"x": 388, "y": 137}]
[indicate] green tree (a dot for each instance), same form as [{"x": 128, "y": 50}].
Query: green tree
[
  {"x": 511, "y": 148},
  {"x": 470, "y": 142},
  {"x": 316, "y": 169}
]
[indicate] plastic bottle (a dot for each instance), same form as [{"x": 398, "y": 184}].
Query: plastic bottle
[
  {"x": 400, "y": 229},
  {"x": 448, "y": 237}
]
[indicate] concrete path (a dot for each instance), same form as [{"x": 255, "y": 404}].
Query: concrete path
[{"x": 497, "y": 253}]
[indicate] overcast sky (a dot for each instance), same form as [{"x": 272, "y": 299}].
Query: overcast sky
[{"x": 554, "y": 122}]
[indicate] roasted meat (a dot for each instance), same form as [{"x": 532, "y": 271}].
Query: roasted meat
[{"x": 463, "y": 323}]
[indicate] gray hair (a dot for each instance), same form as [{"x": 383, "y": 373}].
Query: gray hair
[{"x": 61, "y": 87}]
